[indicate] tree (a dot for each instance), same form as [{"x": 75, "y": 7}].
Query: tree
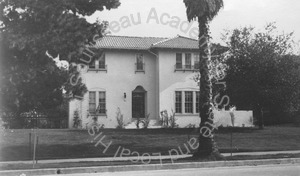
[
  {"x": 31, "y": 32},
  {"x": 204, "y": 11},
  {"x": 262, "y": 72}
]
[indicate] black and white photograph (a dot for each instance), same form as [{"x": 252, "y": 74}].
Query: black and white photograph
[{"x": 150, "y": 87}]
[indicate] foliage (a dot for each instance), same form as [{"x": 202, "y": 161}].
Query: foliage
[
  {"x": 193, "y": 126},
  {"x": 31, "y": 28},
  {"x": 146, "y": 121},
  {"x": 202, "y": 8},
  {"x": 168, "y": 121},
  {"x": 262, "y": 72},
  {"x": 204, "y": 11},
  {"x": 120, "y": 119},
  {"x": 95, "y": 123},
  {"x": 76, "y": 119},
  {"x": 137, "y": 122}
]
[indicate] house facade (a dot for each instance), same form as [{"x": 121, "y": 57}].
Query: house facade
[{"x": 139, "y": 76}]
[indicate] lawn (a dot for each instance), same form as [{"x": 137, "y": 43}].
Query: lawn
[{"x": 14, "y": 144}]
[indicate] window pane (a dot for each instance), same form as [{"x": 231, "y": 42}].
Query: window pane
[
  {"x": 197, "y": 101},
  {"x": 196, "y": 61},
  {"x": 188, "y": 61},
  {"x": 102, "y": 62},
  {"x": 92, "y": 101},
  {"x": 178, "y": 102},
  {"x": 102, "y": 103},
  {"x": 188, "y": 102},
  {"x": 178, "y": 60},
  {"x": 92, "y": 64},
  {"x": 139, "y": 62}
]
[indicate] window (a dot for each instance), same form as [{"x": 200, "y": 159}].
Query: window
[
  {"x": 92, "y": 64},
  {"x": 178, "y": 61},
  {"x": 97, "y": 107},
  {"x": 197, "y": 101},
  {"x": 102, "y": 62},
  {"x": 98, "y": 64},
  {"x": 178, "y": 102},
  {"x": 188, "y": 61},
  {"x": 188, "y": 102},
  {"x": 196, "y": 61},
  {"x": 92, "y": 102},
  {"x": 140, "y": 62},
  {"x": 102, "y": 103}
]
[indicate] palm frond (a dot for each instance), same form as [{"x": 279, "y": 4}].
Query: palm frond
[{"x": 202, "y": 8}]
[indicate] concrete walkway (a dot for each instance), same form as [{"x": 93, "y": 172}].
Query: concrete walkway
[
  {"x": 99, "y": 170},
  {"x": 135, "y": 158}
]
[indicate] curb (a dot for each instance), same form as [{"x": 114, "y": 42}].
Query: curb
[
  {"x": 137, "y": 158},
  {"x": 97, "y": 169}
]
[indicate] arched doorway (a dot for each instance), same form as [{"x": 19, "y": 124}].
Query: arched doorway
[{"x": 139, "y": 102}]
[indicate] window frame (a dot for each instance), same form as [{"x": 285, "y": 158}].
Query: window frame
[
  {"x": 196, "y": 63},
  {"x": 192, "y": 109},
  {"x": 178, "y": 104},
  {"x": 178, "y": 65},
  {"x": 188, "y": 102},
  {"x": 188, "y": 61},
  {"x": 94, "y": 103},
  {"x": 139, "y": 62},
  {"x": 101, "y": 109},
  {"x": 100, "y": 105},
  {"x": 97, "y": 65}
]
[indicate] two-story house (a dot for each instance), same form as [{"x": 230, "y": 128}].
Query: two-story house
[{"x": 140, "y": 76}]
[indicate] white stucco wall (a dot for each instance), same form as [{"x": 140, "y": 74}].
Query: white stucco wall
[
  {"x": 120, "y": 78},
  {"x": 171, "y": 81},
  {"x": 241, "y": 118},
  {"x": 159, "y": 80}
]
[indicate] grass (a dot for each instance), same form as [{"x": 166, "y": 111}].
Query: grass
[{"x": 56, "y": 144}]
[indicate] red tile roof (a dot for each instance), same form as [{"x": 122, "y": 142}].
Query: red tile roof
[
  {"x": 177, "y": 42},
  {"x": 145, "y": 43}
]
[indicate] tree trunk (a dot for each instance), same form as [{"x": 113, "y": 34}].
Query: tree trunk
[
  {"x": 207, "y": 146},
  {"x": 259, "y": 116}
]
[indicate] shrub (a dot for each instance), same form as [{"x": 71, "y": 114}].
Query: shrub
[
  {"x": 146, "y": 121},
  {"x": 76, "y": 119},
  {"x": 172, "y": 121},
  {"x": 168, "y": 121},
  {"x": 96, "y": 123},
  {"x": 120, "y": 119},
  {"x": 137, "y": 122}
]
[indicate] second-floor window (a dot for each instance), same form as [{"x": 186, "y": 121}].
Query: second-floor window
[
  {"x": 102, "y": 64},
  {"x": 188, "y": 61},
  {"x": 178, "y": 61},
  {"x": 92, "y": 64},
  {"x": 196, "y": 61},
  {"x": 139, "y": 65},
  {"x": 98, "y": 64}
]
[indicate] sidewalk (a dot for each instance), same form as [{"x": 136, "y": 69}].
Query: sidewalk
[
  {"x": 150, "y": 167},
  {"x": 136, "y": 158}
]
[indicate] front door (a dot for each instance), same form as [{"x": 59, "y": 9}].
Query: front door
[{"x": 138, "y": 104}]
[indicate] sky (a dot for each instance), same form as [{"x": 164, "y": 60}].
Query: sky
[{"x": 167, "y": 18}]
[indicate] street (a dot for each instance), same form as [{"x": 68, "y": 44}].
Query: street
[{"x": 262, "y": 170}]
